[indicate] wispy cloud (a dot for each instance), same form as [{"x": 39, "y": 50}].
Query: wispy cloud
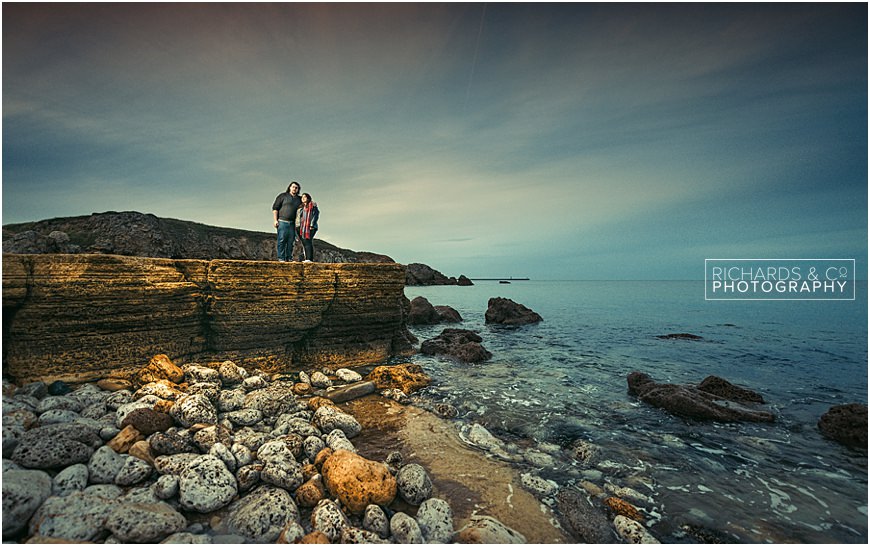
[{"x": 578, "y": 119}]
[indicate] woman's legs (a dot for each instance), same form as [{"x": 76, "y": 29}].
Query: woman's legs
[{"x": 308, "y": 247}]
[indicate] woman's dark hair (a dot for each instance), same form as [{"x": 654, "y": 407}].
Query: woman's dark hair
[
  {"x": 308, "y": 195},
  {"x": 294, "y": 182}
]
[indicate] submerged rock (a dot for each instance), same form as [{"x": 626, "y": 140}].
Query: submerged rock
[
  {"x": 690, "y": 337},
  {"x": 846, "y": 424},
  {"x": 488, "y": 530},
  {"x": 463, "y": 345},
  {"x": 691, "y": 402},
  {"x": 586, "y": 523}
]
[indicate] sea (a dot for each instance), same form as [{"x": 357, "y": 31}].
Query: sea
[{"x": 563, "y": 380}]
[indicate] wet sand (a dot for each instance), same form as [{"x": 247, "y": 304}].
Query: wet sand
[{"x": 471, "y": 482}]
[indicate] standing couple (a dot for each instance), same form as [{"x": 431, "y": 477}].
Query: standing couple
[{"x": 295, "y": 215}]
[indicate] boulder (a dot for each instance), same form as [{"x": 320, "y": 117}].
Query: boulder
[
  {"x": 413, "y": 484},
  {"x": 633, "y": 532},
  {"x": 164, "y": 389},
  {"x": 196, "y": 373},
  {"x": 147, "y": 421},
  {"x": 405, "y": 529},
  {"x": 23, "y": 492},
  {"x": 329, "y": 418},
  {"x": 139, "y": 522},
  {"x": 585, "y": 523},
  {"x": 376, "y": 521},
  {"x": 691, "y": 402},
  {"x": 328, "y": 519},
  {"x": 320, "y": 380},
  {"x": 78, "y": 517},
  {"x": 124, "y": 440},
  {"x": 159, "y": 367},
  {"x": 509, "y": 312},
  {"x": 846, "y": 424},
  {"x": 464, "y": 281},
  {"x": 206, "y": 485},
  {"x": 463, "y": 345},
  {"x": 447, "y": 314},
  {"x": 724, "y": 389},
  {"x": 56, "y": 446},
  {"x": 133, "y": 471},
  {"x": 231, "y": 374},
  {"x": 336, "y": 440},
  {"x": 192, "y": 409},
  {"x": 488, "y": 530},
  {"x": 170, "y": 442},
  {"x": 348, "y": 376},
  {"x": 357, "y": 481},
  {"x": 405, "y": 377},
  {"x": 262, "y": 514},
  {"x": 351, "y": 391},
  {"x": 113, "y": 384},
  {"x": 435, "y": 518},
  {"x": 422, "y": 312},
  {"x": 104, "y": 465},
  {"x": 311, "y": 492},
  {"x": 70, "y": 479}
]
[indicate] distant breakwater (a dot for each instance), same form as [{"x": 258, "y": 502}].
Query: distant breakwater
[{"x": 87, "y": 316}]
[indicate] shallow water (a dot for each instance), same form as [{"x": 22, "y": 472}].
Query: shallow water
[{"x": 565, "y": 379}]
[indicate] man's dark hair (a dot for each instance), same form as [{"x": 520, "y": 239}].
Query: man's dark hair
[{"x": 294, "y": 182}]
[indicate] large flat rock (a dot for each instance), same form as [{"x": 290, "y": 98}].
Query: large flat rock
[{"x": 80, "y": 317}]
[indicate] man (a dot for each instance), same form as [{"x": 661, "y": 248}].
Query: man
[{"x": 284, "y": 214}]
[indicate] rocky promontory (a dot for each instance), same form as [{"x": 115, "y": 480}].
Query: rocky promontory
[
  {"x": 81, "y": 317},
  {"x": 423, "y": 275},
  {"x": 136, "y": 234}
]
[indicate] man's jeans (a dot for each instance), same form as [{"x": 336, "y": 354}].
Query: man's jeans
[{"x": 286, "y": 238}]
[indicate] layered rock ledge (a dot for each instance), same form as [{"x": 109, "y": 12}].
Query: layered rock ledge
[{"x": 88, "y": 316}]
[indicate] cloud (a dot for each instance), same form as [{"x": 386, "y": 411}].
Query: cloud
[{"x": 579, "y": 118}]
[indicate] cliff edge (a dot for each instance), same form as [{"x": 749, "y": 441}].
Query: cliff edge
[{"x": 79, "y": 317}]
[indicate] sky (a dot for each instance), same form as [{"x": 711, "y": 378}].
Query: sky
[{"x": 554, "y": 141}]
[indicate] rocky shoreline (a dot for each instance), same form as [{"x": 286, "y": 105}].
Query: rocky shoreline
[
  {"x": 216, "y": 453},
  {"x": 211, "y": 454}
]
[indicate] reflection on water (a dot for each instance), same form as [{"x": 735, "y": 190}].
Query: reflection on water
[{"x": 564, "y": 380}]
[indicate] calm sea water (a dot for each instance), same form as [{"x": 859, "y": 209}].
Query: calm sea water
[{"x": 565, "y": 379}]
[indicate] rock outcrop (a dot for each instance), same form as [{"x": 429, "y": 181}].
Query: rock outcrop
[
  {"x": 695, "y": 403},
  {"x": 510, "y": 313},
  {"x": 423, "y": 275},
  {"x": 847, "y": 424},
  {"x": 424, "y": 313},
  {"x": 137, "y": 234},
  {"x": 82, "y": 317},
  {"x": 463, "y": 345}
]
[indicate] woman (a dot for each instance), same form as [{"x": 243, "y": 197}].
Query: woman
[{"x": 306, "y": 225}]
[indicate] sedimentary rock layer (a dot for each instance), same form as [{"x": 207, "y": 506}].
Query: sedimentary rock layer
[{"x": 80, "y": 317}]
